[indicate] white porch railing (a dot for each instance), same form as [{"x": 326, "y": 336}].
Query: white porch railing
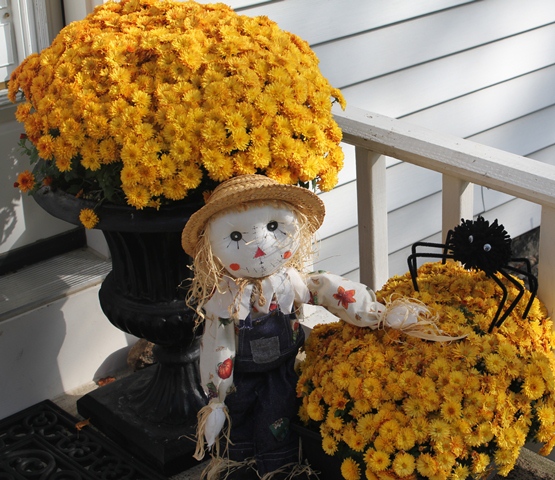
[{"x": 461, "y": 163}]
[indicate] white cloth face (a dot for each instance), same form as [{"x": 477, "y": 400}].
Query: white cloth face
[{"x": 255, "y": 242}]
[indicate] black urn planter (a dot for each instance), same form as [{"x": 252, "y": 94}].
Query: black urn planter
[{"x": 152, "y": 412}]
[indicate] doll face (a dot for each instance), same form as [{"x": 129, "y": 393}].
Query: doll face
[{"x": 255, "y": 242}]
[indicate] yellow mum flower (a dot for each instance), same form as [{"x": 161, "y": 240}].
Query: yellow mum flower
[
  {"x": 362, "y": 405},
  {"x": 480, "y": 462},
  {"x": 451, "y": 410},
  {"x": 389, "y": 429},
  {"x": 546, "y": 414},
  {"x": 372, "y": 389},
  {"x": 342, "y": 374},
  {"x": 439, "y": 430},
  {"x": 426, "y": 465},
  {"x": 495, "y": 363},
  {"x": 350, "y": 469},
  {"x": 404, "y": 464},
  {"x": 461, "y": 472},
  {"x": 329, "y": 445},
  {"x": 88, "y": 218},
  {"x": 315, "y": 411},
  {"x": 534, "y": 387},
  {"x": 405, "y": 439},
  {"x": 379, "y": 461},
  {"x": 174, "y": 188},
  {"x": 366, "y": 426},
  {"x": 137, "y": 195},
  {"x": 335, "y": 423},
  {"x": 354, "y": 440}
]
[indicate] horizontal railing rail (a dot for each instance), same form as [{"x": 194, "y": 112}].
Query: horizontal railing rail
[{"x": 461, "y": 163}]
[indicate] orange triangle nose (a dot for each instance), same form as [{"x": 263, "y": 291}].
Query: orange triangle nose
[{"x": 259, "y": 253}]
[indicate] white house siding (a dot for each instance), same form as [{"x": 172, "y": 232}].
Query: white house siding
[{"x": 477, "y": 69}]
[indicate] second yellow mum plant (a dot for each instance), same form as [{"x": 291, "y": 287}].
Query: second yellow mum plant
[{"x": 390, "y": 406}]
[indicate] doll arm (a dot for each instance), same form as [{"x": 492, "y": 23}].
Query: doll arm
[
  {"x": 217, "y": 354},
  {"x": 356, "y": 304},
  {"x": 350, "y": 301}
]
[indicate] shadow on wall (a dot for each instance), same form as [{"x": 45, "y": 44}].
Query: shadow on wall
[{"x": 10, "y": 197}]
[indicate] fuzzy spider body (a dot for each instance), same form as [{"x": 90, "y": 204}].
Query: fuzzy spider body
[{"x": 479, "y": 245}]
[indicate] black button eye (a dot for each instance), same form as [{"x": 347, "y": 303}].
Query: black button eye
[
  {"x": 236, "y": 236},
  {"x": 487, "y": 247},
  {"x": 272, "y": 226},
  {"x": 470, "y": 239}
]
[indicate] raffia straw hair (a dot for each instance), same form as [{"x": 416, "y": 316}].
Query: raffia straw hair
[{"x": 208, "y": 271}]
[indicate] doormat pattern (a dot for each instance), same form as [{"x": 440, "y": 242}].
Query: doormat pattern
[{"x": 43, "y": 442}]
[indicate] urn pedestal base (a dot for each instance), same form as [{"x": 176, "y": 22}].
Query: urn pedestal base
[{"x": 168, "y": 448}]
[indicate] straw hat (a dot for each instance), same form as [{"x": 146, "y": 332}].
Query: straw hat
[{"x": 248, "y": 188}]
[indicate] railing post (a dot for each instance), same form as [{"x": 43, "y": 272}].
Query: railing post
[
  {"x": 546, "y": 264},
  {"x": 372, "y": 218},
  {"x": 457, "y": 202}
]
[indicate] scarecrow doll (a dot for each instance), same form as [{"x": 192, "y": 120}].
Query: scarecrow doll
[{"x": 250, "y": 245}]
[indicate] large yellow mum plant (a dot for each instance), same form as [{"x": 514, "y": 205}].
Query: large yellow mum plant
[
  {"x": 391, "y": 406},
  {"x": 146, "y": 101}
]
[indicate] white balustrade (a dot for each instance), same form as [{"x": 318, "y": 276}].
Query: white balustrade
[{"x": 462, "y": 163}]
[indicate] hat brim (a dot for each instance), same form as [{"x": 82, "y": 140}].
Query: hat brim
[{"x": 240, "y": 193}]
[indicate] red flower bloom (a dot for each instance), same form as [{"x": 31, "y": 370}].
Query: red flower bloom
[{"x": 25, "y": 181}]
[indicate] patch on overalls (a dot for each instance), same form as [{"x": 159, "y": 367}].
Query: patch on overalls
[
  {"x": 265, "y": 350},
  {"x": 280, "y": 428}
]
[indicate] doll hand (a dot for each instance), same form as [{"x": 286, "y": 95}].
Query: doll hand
[
  {"x": 214, "y": 422},
  {"x": 415, "y": 319},
  {"x": 403, "y": 315},
  {"x": 211, "y": 419}
]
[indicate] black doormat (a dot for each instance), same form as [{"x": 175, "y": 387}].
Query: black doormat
[{"x": 43, "y": 442}]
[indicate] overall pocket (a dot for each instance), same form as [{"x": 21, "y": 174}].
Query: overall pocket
[{"x": 265, "y": 342}]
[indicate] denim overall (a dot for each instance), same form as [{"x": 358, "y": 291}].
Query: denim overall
[{"x": 265, "y": 396}]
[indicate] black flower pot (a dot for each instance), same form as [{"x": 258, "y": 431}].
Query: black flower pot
[{"x": 142, "y": 296}]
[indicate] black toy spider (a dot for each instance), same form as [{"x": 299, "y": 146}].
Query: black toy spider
[{"x": 481, "y": 246}]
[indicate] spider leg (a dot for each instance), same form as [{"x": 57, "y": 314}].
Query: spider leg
[
  {"x": 495, "y": 320},
  {"x": 411, "y": 259},
  {"x": 532, "y": 281},
  {"x": 514, "y": 303}
]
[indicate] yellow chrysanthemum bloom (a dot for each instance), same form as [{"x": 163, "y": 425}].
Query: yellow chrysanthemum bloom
[
  {"x": 426, "y": 465},
  {"x": 315, "y": 411},
  {"x": 88, "y": 218},
  {"x": 379, "y": 461},
  {"x": 350, "y": 469},
  {"x": 404, "y": 464},
  {"x": 329, "y": 445}
]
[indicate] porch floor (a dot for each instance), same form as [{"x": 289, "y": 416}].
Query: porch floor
[{"x": 530, "y": 465}]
